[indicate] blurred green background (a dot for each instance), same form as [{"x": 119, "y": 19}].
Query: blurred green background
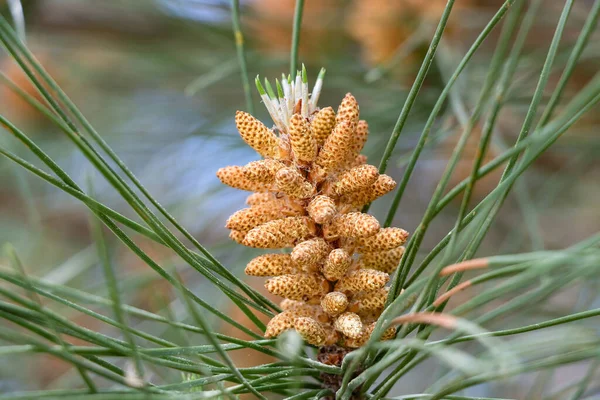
[{"x": 160, "y": 80}]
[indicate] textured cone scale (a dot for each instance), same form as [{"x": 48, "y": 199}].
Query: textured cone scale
[
  {"x": 271, "y": 201},
  {"x": 367, "y": 302},
  {"x": 385, "y": 260},
  {"x": 385, "y": 239},
  {"x": 355, "y": 225},
  {"x": 256, "y": 134},
  {"x": 260, "y": 198},
  {"x": 302, "y": 309},
  {"x": 262, "y": 171},
  {"x": 310, "y": 252},
  {"x": 279, "y": 233},
  {"x": 336, "y": 148},
  {"x": 292, "y": 183},
  {"x": 349, "y": 324},
  {"x": 334, "y": 303},
  {"x": 362, "y": 280},
  {"x": 296, "y": 286},
  {"x": 270, "y": 265},
  {"x": 348, "y": 111},
  {"x": 248, "y": 218},
  {"x": 310, "y": 330},
  {"x": 307, "y": 191},
  {"x": 337, "y": 264},
  {"x": 322, "y": 124},
  {"x": 237, "y": 236},
  {"x": 280, "y": 323},
  {"x": 355, "y": 179},
  {"x": 303, "y": 143},
  {"x": 234, "y": 176}
]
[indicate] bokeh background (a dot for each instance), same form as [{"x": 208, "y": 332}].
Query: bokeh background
[{"x": 160, "y": 81}]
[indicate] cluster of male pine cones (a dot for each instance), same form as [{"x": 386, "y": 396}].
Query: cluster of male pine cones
[{"x": 309, "y": 189}]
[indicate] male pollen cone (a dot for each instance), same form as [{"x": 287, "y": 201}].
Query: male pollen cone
[
  {"x": 337, "y": 264},
  {"x": 334, "y": 303},
  {"x": 303, "y": 143},
  {"x": 385, "y": 239},
  {"x": 234, "y": 176},
  {"x": 349, "y": 324},
  {"x": 384, "y": 260},
  {"x": 355, "y": 179},
  {"x": 355, "y": 224},
  {"x": 256, "y": 134},
  {"x": 270, "y": 265},
  {"x": 310, "y": 252},
  {"x": 293, "y": 184},
  {"x": 322, "y": 124},
  {"x": 262, "y": 171}
]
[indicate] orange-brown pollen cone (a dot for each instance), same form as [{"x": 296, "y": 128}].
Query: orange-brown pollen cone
[{"x": 307, "y": 199}]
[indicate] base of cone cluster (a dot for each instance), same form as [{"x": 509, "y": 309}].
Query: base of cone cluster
[
  {"x": 334, "y": 355},
  {"x": 308, "y": 190}
]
